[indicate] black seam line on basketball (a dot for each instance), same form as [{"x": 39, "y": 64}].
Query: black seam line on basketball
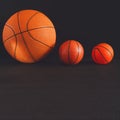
[
  {"x": 15, "y": 40},
  {"x": 26, "y": 31},
  {"x": 101, "y": 54},
  {"x": 106, "y": 49},
  {"x": 69, "y": 52},
  {"x": 31, "y": 35},
  {"x": 77, "y": 54},
  {"x": 95, "y": 55},
  {"x": 24, "y": 38}
]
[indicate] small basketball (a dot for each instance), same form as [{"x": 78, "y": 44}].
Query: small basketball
[
  {"x": 71, "y": 52},
  {"x": 28, "y": 36},
  {"x": 102, "y": 53}
]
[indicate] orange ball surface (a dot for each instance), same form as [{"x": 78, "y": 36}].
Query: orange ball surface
[
  {"x": 71, "y": 52},
  {"x": 28, "y": 36},
  {"x": 102, "y": 53}
]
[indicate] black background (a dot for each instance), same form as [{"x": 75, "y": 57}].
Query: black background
[{"x": 49, "y": 90}]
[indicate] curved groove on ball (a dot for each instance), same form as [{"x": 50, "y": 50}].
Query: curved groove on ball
[
  {"x": 106, "y": 49},
  {"x": 95, "y": 56},
  {"x": 77, "y": 54},
  {"x": 15, "y": 39},
  {"x": 102, "y": 55},
  {"x": 24, "y": 38},
  {"x": 69, "y": 59},
  {"x": 25, "y": 31},
  {"x": 30, "y": 33}
]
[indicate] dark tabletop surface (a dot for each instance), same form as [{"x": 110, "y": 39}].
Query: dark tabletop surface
[{"x": 53, "y": 91}]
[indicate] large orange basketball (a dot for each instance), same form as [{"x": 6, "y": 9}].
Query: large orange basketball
[
  {"x": 102, "y": 53},
  {"x": 71, "y": 52},
  {"x": 29, "y": 35}
]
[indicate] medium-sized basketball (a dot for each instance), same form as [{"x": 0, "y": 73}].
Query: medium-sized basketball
[
  {"x": 29, "y": 35},
  {"x": 71, "y": 52},
  {"x": 102, "y": 53}
]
